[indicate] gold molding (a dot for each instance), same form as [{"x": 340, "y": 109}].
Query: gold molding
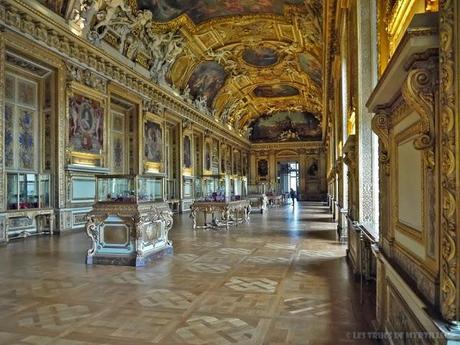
[
  {"x": 449, "y": 132},
  {"x": 2, "y": 113}
]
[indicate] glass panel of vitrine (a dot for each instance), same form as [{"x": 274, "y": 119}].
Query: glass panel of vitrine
[
  {"x": 198, "y": 188},
  {"x": 117, "y": 189},
  {"x": 45, "y": 191},
  {"x": 28, "y": 191},
  {"x": 12, "y": 192},
  {"x": 146, "y": 190}
]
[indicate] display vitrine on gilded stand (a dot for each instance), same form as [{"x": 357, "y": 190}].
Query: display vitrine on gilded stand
[{"x": 129, "y": 222}]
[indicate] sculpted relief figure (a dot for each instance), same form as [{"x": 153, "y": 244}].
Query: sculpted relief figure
[
  {"x": 164, "y": 48},
  {"x": 134, "y": 31},
  {"x": 105, "y": 16},
  {"x": 202, "y": 104}
]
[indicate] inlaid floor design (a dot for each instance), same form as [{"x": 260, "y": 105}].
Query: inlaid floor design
[{"x": 281, "y": 279}]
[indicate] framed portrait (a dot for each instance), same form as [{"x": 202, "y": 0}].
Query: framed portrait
[
  {"x": 86, "y": 124},
  {"x": 312, "y": 170},
  {"x": 262, "y": 168},
  {"x": 187, "y": 152},
  {"x": 153, "y": 141},
  {"x": 215, "y": 155},
  {"x": 207, "y": 156},
  {"x": 223, "y": 151}
]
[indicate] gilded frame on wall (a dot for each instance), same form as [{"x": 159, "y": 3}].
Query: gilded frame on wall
[
  {"x": 407, "y": 136},
  {"x": 207, "y": 156},
  {"x": 87, "y": 126},
  {"x": 187, "y": 153},
  {"x": 153, "y": 143},
  {"x": 131, "y": 131},
  {"x": 406, "y": 128}
]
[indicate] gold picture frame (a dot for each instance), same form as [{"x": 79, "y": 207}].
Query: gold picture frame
[
  {"x": 153, "y": 143},
  {"x": 87, "y": 123}
]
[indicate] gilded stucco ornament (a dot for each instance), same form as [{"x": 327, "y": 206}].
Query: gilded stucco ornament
[
  {"x": 449, "y": 278},
  {"x": 381, "y": 125},
  {"x": 133, "y": 33},
  {"x": 418, "y": 91}
]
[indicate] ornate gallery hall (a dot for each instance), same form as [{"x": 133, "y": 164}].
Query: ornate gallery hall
[{"x": 230, "y": 172}]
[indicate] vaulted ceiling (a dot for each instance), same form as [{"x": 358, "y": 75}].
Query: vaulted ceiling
[
  {"x": 236, "y": 60},
  {"x": 270, "y": 53}
]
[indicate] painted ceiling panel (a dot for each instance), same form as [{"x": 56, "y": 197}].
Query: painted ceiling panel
[
  {"x": 286, "y": 126},
  {"x": 203, "y": 10}
]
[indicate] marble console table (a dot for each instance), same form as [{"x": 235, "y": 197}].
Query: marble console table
[
  {"x": 223, "y": 214},
  {"x": 128, "y": 234},
  {"x": 275, "y": 200},
  {"x": 258, "y": 201}
]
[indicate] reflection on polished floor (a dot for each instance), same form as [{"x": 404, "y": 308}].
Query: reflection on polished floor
[{"x": 282, "y": 279}]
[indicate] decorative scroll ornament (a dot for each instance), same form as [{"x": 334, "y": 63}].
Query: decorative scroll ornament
[
  {"x": 91, "y": 230},
  {"x": 418, "y": 92},
  {"x": 349, "y": 152},
  {"x": 381, "y": 126}
]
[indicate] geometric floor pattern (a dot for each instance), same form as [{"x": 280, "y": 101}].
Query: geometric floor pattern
[{"x": 280, "y": 279}]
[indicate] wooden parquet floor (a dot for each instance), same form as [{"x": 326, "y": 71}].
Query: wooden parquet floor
[{"x": 282, "y": 279}]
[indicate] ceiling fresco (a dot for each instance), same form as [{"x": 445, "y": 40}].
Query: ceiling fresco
[
  {"x": 260, "y": 56},
  {"x": 312, "y": 67},
  {"x": 233, "y": 60},
  {"x": 285, "y": 126},
  {"x": 58, "y": 6},
  {"x": 275, "y": 91},
  {"x": 206, "y": 80},
  {"x": 202, "y": 10}
]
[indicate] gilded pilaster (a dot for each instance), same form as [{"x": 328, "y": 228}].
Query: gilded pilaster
[
  {"x": 2, "y": 108},
  {"x": 3, "y": 234},
  {"x": 449, "y": 35},
  {"x": 381, "y": 125}
]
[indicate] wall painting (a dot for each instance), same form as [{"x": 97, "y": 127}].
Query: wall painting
[
  {"x": 153, "y": 141},
  {"x": 187, "y": 152},
  {"x": 262, "y": 168},
  {"x": 86, "y": 124}
]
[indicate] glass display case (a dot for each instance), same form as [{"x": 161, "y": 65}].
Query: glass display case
[
  {"x": 129, "y": 188},
  {"x": 257, "y": 188},
  {"x": 171, "y": 189},
  {"x": 150, "y": 189},
  {"x": 210, "y": 184},
  {"x": 28, "y": 191},
  {"x": 44, "y": 190},
  {"x": 213, "y": 186},
  {"x": 198, "y": 188}
]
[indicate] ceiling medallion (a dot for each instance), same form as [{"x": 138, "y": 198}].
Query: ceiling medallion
[
  {"x": 260, "y": 56},
  {"x": 277, "y": 90},
  {"x": 286, "y": 126}
]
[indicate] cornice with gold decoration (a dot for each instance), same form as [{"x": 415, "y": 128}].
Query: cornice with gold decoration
[{"x": 23, "y": 18}]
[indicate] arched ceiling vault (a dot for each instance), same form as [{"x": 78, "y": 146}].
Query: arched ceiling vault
[
  {"x": 292, "y": 43},
  {"x": 236, "y": 60}
]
